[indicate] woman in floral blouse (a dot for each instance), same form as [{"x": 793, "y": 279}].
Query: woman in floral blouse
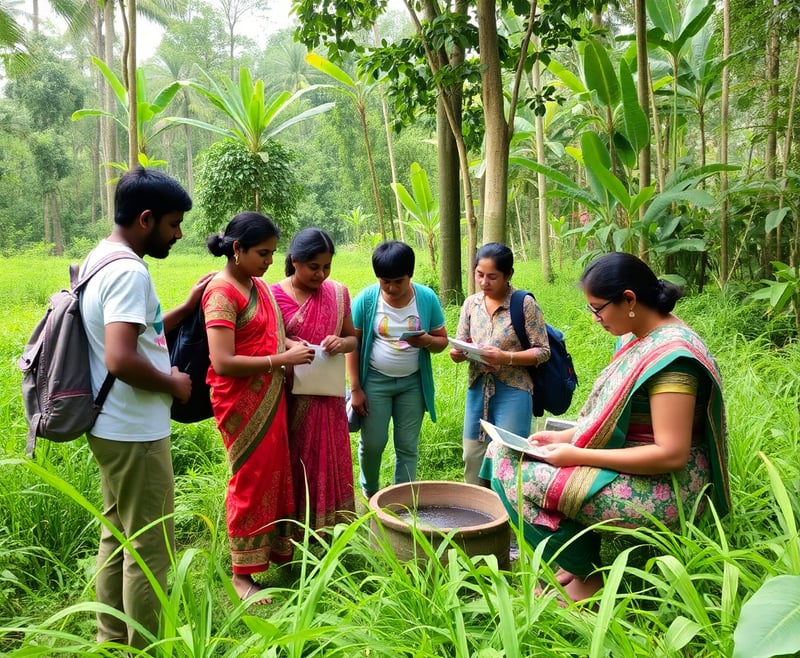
[{"x": 500, "y": 388}]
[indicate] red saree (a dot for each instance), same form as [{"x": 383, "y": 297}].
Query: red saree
[
  {"x": 319, "y": 441},
  {"x": 251, "y": 416}
]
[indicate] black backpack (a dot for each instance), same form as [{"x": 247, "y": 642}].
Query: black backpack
[
  {"x": 555, "y": 380},
  {"x": 188, "y": 350},
  {"x": 56, "y": 379}
]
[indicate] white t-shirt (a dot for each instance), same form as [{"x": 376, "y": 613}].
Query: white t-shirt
[
  {"x": 123, "y": 292},
  {"x": 390, "y": 355}
]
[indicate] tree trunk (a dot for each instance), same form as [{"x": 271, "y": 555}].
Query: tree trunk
[
  {"x": 771, "y": 148},
  {"x": 450, "y": 285},
  {"x": 55, "y": 219},
  {"x": 496, "y": 135},
  {"x": 541, "y": 184},
  {"x": 130, "y": 36},
  {"x": 108, "y": 126},
  {"x": 724, "y": 251},
  {"x": 643, "y": 92},
  {"x": 449, "y": 100},
  {"x": 390, "y": 151},
  {"x": 392, "y": 166},
  {"x": 787, "y": 143},
  {"x": 48, "y": 233},
  {"x": 189, "y": 153},
  {"x": 362, "y": 113}
]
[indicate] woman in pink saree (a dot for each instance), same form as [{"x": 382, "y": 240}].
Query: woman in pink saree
[
  {"x": 248, "y": 353},
  {"x": 317, "y": 310}
]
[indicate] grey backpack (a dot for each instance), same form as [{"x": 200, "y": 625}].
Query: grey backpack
[{"x": 56, "y": 381}]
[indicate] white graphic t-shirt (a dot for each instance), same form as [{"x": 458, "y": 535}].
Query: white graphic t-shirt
[
  {"x": 390, "y": 355},
  {"x": 123, "y": 291}
]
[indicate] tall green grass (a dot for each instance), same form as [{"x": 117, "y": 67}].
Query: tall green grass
[{"x": 665, "y": 595}]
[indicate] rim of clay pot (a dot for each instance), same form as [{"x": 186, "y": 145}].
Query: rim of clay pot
[{"x": 389, "y": 519}]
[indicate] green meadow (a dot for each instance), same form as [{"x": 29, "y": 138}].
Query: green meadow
[{"x": 693, "y": 594}]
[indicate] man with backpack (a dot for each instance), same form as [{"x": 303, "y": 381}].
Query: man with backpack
[{"x": 131, "y": 437}]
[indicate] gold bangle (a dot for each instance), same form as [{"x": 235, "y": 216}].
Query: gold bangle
[
  {"x": 511, "y": 358},
  {"x": 269, "y": 358}
]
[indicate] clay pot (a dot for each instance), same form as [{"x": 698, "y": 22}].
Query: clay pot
[{"x": 487, "y": 537}]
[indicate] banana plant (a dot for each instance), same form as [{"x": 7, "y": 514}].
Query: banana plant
[
  {"x": 613, "y": 100},
  {"x": 422, "y": 208},
  {"x": 254, "y": 118},
  {"x": 148, "y": 121},
  {"x": 607, "y": 199},
  {"x": 672, "y": 33},
  {"x": 358, "y": 223}
]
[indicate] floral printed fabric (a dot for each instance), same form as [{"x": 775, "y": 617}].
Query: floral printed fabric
[
  {"x": 628, "y": 501},
  {"x": 476, "y": 326}
]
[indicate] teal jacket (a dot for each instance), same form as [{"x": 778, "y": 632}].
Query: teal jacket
[{"x": 431, "y": 316}]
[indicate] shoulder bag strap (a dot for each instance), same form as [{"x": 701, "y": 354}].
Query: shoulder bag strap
[
  {"x": 518, "y": 316},
  {"x": 77, "y": 284}
]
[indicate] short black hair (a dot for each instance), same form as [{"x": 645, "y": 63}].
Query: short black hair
[
  {"x": 610, "y": 275},
  {"x": 248, "y": 228},
  {"x": 393, "y": 259},
  {"x": 307, "y": 245},
  {"x": 143, "y": 189}
]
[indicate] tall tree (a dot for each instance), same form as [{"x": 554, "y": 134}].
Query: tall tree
[
  {"x": 495, "y": 198},
  {"x": 49, "y": 91},
  {"x": 431, "y": 53},
  {"x": 643, "y": 94},
  {"x": 724, "y": 105},
  {"x": 234, "y": 11}
]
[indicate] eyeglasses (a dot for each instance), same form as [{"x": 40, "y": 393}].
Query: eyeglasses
[{"x": 597, "y": 311}]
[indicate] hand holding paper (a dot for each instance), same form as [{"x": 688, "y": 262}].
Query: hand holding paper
[
  {"x": 323, "y": 376},
  {"x": 473, "y": 352}
]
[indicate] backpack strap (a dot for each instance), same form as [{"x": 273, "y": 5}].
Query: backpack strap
[
  {"x": 77, "y": 283},
  {"x": 518, "y": 316}
]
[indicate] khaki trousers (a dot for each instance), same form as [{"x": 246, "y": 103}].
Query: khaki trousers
[
  {"x": 138, "y": 488},
  {"x": 473, "y": 453}
]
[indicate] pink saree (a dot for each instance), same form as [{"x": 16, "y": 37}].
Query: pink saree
[
  {"x": 251, "y": 416},
  {"x": 319, "y": 441}
]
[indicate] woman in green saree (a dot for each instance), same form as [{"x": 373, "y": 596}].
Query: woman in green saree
[{"x": 650, "y": 438}]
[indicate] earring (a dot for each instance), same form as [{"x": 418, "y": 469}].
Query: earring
[
  {"x": 236, "y": 258},
  {"x": 631, "y": 314}
]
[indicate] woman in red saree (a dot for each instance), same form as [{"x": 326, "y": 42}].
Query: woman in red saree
[
  {"x": 317, "y": 310},
  {"x": 248, "y": 352},
  {"x": 649, "y": 441}
]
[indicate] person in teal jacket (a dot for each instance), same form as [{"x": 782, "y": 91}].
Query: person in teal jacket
[{"x": 398, "y": 324}]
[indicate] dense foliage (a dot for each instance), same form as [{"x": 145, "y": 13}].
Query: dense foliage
[{"x": 231, "y": 179}]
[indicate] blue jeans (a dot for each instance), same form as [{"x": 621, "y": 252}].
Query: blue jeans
[
  {"x": 510, "y": 408},
  {"x": 400, "y": 400}
]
